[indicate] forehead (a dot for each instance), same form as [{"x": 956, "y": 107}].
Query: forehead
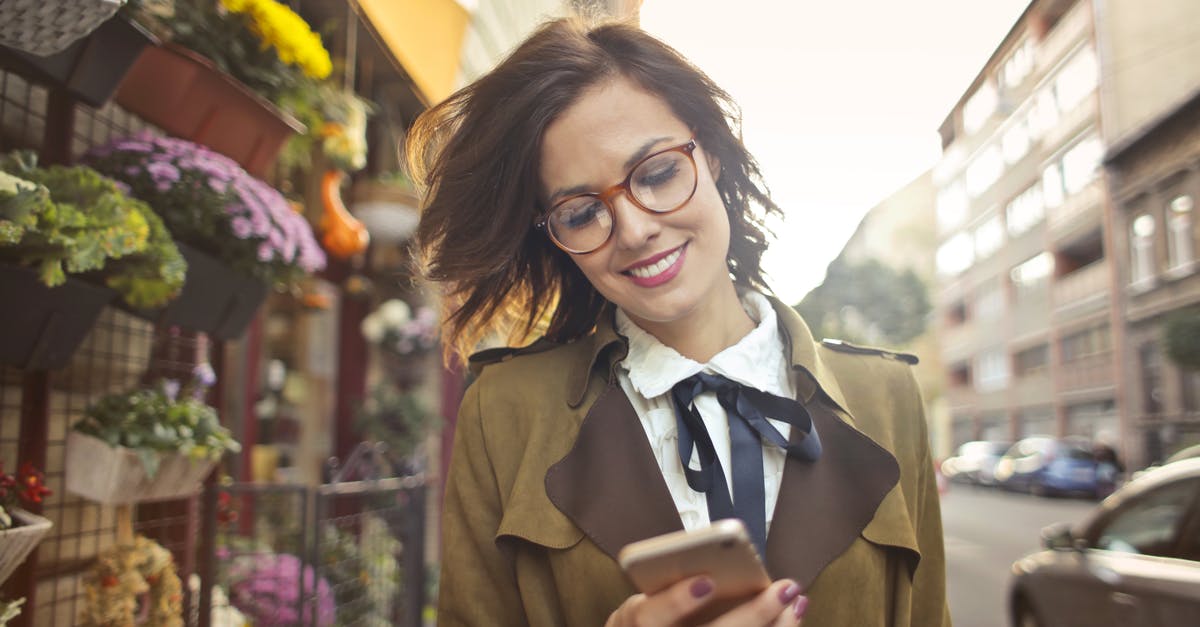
[{"x": 591, "y": 141}]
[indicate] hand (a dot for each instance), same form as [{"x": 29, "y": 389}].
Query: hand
[{"x": 780, "y": 605}]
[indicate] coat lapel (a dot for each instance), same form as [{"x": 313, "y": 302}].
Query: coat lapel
[{"x": 609, "y": 484}]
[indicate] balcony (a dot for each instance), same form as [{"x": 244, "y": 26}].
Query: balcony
[
  {"x": 1065, "y": 35},
  {"x": 1082, "y": 291},
  {"x": 1078, "y": 210},
  {"x": 1087, "y": 373}
]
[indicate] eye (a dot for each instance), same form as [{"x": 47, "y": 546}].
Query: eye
[
  {"x": 659, "y": 174},
  {"x": 579, "y": 213}
]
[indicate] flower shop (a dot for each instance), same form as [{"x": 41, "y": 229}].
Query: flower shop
[{"x": 220, "y": 383}]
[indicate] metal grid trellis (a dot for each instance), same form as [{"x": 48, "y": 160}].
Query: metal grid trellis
[{"x": 38, "y": 408}]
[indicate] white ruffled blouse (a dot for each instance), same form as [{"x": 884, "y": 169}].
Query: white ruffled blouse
[{"x": 651, "y": 369}]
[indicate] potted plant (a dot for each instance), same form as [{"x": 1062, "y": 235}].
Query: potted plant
[
  {"x": 395, "y": 417},
  {"x": 266, "y": 588},
  {"x": 219, "y": 80},
  {"x": 58, "y": 224},
  {"x": 1181, "y": 336},
  {"x": 10, "y": 610},
  {"x": 403, "y": 338},
  {"x": 91, "y": 68},
  {"x": 147, "y": 444},
  {"x": 238, "y": 234},
  {"x": 20, "y": 530}
]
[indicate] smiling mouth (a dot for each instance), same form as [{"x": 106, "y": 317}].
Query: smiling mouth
[{"x": 652, "y": 270}]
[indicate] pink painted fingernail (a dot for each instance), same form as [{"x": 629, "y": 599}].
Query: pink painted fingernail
[
  {"x": 789, "y": 593},
  {"x": 701, "y": 588},
  {"x": 801, "y": 607}
]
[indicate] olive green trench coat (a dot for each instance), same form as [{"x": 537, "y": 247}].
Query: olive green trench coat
[{"x": 551, "y": 475}]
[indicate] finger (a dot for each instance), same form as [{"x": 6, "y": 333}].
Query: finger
[
  {"x": 792, "y": 615},
  {"x": 673, "y": 604},
  {"x": 764, "y": 609},
  {"x": 623, "y": 615}
]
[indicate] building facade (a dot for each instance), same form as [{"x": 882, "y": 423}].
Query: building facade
[{"x": 1025, "y": 278}]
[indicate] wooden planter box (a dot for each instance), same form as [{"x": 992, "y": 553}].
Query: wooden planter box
[
  {"x": 215, "y": 299},
  {"x": 115, "y": 475},
  {"x": 90, "y": 69},
  {"x": 40, "y": 327},
  {"x": 184, "y": 94},
  {"x": 17, "y": 543}
]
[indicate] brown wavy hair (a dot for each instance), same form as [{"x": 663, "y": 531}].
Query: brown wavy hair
[{"x": 476, "y": 158}]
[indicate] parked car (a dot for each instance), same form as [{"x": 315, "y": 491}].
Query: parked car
[
  {"x": 975, "y": 462},
  {"x": 1044, "y": 466},
  {"x": 1134, "y": 561}
]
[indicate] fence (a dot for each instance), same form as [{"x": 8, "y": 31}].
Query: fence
[{"x": 347, "y": 553}]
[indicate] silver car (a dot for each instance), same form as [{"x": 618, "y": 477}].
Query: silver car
[{"x": 1133, "y": 562}]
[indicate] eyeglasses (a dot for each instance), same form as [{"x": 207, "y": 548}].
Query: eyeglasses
[{"x": 660, "y": 183}]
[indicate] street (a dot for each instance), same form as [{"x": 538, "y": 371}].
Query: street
[{"x": 986, "y": 530}]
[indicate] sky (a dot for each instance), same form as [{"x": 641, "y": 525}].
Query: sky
[{"x": 841, "y": 101}]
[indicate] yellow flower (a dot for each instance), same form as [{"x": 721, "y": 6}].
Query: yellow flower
[{"x": 280, "y": 28}]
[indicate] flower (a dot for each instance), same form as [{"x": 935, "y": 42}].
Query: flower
[
  {"x": 208, "y": 200},
  {"x": 27, "y": 486},
  {"x": 280, "y": 28},
  {"x": 394, "y": 328}
]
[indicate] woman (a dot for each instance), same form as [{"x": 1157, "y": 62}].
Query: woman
[{"x": 592, "y": 190}]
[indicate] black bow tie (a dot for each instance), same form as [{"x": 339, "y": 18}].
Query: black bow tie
[{"x": 747, "y": 409}]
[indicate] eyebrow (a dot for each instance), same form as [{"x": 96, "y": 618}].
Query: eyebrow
[{"x": 633, "y": 160}]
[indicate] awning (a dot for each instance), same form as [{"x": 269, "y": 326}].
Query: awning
[{"x": 426, "y": 38}]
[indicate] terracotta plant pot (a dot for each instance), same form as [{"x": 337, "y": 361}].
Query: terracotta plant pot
[
  {"x": 41, "y": 327},
  {"x": 90, "y": 69},
  {"x": 184, "y": 94},
  {"x": 216, "y": 299},
  {"x": 115, "y": 475},
  {"x": 17, "y": 543}
]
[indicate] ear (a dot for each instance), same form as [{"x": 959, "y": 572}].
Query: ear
[{"x": 714, "y": 165}]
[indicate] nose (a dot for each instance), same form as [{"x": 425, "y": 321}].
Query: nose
[{"x": 633, "y": 227}]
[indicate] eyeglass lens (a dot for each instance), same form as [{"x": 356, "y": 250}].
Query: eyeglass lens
[{"x": 660, "y": 184}]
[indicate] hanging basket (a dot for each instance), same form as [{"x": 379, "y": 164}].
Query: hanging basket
[
  {"x": 115, "y": 475},
  {"x": 215, "y": 299},
  {"x": 91, "y": 68},
  {"x": 44, "y": 27},
  {"x": 187, "y": 96},
  {"x": 17, "y": 543},
  {"x": 41, "y": 327}
]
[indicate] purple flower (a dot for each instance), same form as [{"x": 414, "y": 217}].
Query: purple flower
[
  {"x": 241, "y": 228},
  {"x": 162, "y": 171},
  {"x": 170, "y": 388},
  {"x": 265, "y": 253}
]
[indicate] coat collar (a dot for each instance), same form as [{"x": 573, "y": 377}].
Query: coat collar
[{"x": 611, "y": 488}]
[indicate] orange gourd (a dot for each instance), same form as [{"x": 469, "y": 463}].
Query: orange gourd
[{"x": 342, "y": 234}]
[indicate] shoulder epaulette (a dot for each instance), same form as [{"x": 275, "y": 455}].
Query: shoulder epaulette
[
  {"x": 491, "y": 356},
  {"x": 846, "y": 347}
]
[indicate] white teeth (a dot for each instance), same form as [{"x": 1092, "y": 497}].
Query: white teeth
[{"x": 655, "y": 269}]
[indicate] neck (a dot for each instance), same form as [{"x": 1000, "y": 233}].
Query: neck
[{"x": 711, "y": 328}]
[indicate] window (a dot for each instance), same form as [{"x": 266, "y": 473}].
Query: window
[
  {"x": 979, "y": 107},
  {"x": 984, "y": 169},
  {"x": 1081, "y": 163},
  {"x": 956, "y": 313},
  {"x": 1025, "y": 211},
  {"x": 989, "y": 305},
  {"x": 951, "y": 206},
  {"x": 1043, "y": 116},
  {"x": 1032, "y": 360},
  {"x": 1086, "y": 343},
  {"x": 955, "y": 255},
  {"x": 1151, "y": 524},
  {"x": 1052, "y": 186},
  {"x": 1018, "y": 65},
  {"x": 1152, "y": 380},
  {"x": 1032, "y": 274},
  {"x": 1180, "y": 241},
  {"x": 1076, "y": 80},
  {"x": 960, "y": 374},
  {"x": 991, "y": 370},
  {"x": 1141, "y": 239},
  {"x": 1015, "y": 142},
  {"x": 989, "y": 236}
]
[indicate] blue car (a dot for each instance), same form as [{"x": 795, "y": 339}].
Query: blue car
[{"x": 1045, "y": 466}]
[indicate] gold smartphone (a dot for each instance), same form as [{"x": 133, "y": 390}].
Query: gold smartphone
[{"x": 722, "y": 551}]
